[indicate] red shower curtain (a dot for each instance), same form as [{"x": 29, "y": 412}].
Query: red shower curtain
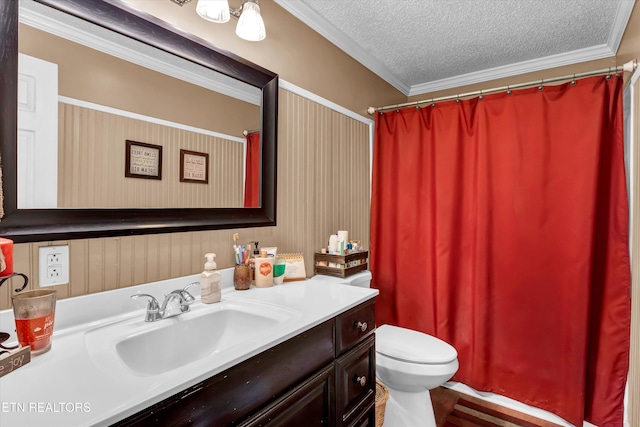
[
  {"x": 252, "y": 172},
  {"x": 500, "y": 225}
]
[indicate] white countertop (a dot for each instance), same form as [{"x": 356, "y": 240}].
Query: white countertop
[{"x": 68, "y": 386}]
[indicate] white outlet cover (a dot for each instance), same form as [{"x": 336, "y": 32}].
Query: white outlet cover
[{"x": 60, "y": 268}]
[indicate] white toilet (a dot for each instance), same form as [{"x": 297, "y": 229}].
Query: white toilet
[{"x": 409, "y": 363}]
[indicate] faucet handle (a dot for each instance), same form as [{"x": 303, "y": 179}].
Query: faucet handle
[
  {"x": 187, "y": 297},
  {"x": 190, "y": 285},
  {"x": 153, "y": 308},
  {"x": 153, "y": 302}
]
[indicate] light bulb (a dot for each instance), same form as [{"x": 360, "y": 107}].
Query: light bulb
[
  {"x": 250, "y": 25},
  {"x": 214, "y": 10}
]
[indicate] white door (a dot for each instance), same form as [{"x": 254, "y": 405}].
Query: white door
[{"x": 37, "y": 133}]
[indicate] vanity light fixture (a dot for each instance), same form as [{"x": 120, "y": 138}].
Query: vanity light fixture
[{"x": 250, "y": 24}]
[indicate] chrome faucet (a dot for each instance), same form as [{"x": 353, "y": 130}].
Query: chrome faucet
[{"x": 156, "y": 312}]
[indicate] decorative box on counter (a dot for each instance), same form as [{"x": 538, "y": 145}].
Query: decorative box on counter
[{"x": 340, "y": 265}]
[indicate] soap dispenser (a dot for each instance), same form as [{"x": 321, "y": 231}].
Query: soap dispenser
[
  {"x": 264, "y": 270},
  {"x": 256, "y": 254},
  {"x": 210, "y": 281}
]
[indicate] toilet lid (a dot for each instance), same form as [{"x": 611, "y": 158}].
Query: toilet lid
[{"x": 413, "y": 346}]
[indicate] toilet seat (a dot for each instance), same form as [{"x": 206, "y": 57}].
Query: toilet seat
[{"x": 412, "y": 346}]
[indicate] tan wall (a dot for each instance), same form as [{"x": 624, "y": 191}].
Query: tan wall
[
  {"x": 304, "y": 58},
  {"x": 323, "y": 186},
  {"x": 89, "y": 75},
  {"x": 91, "y": 164},
  {"x": 294, "y": 51}
]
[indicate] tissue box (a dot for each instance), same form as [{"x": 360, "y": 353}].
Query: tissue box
[{"x": 345, "y": 265}]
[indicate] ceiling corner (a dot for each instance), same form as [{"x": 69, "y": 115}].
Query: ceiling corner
[
  {"x": 623, "y": 13},
  {"x": 312, "y": 19}
]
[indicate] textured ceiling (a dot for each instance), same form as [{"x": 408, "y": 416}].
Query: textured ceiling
[{"x": 420, "y": 46}]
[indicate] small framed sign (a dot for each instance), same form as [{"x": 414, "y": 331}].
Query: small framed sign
[
  {"x": 143, "y": 160},
  {"x": 11, "y": 361},
  {"x": 194, "y": 167}
]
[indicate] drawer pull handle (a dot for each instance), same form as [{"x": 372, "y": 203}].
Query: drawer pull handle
[
  {"x": 362, "y": 380},
  {"x": 361, "y": 325}
]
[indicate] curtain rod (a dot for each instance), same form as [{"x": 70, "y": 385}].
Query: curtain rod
[
  {"x": 247, "y": 132},
  {"x": 628, "y": 67}
]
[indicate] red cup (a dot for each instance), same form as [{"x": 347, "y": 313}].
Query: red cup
[{"x": 34, "y": 312}]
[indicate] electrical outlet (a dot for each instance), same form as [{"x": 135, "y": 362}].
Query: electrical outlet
[{"x": 54, "y": 265}]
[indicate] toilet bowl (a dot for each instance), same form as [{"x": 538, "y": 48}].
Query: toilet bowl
[{"x": 409, "y": 363}]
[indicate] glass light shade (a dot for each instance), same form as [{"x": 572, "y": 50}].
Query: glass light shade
[
  {"x": 250, "y": 25},
  {"x": 214, "y": 10}
]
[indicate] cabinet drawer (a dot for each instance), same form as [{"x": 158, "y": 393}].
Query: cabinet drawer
[
  {"x": 355, "y": 325},
  {"x": 355, "y": 381},
  {"x": 367, "y": 419}
]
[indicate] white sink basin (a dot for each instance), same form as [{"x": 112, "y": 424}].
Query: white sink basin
[{"x": 152, "y": 348}]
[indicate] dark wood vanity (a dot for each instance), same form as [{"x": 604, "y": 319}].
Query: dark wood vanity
[{"x": 324, "y": 376}]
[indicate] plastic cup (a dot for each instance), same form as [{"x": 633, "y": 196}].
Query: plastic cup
[
  {"x": 34, "y": 312},
  {"x": 278, "y": 271},
  {"x": 242, "y": 277},
  {"x": 278, "y": 267}
]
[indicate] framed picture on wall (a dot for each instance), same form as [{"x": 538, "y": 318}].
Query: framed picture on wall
[
  {"x": 143, "y": 160},
  {"x": 194, "y": 167}
]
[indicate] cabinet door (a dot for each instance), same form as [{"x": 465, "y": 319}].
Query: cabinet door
[
  {"x": 355, "y": 382},
  {"x": 310, "y": 405}
]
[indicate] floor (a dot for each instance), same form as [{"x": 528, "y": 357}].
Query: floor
[{"x": 454, "y": 409}]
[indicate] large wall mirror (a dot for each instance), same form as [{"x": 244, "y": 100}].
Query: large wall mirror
[{"x": 146, "y": 127}]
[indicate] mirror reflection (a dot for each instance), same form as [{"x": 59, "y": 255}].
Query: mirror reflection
[{"x": 126, "y": 126}]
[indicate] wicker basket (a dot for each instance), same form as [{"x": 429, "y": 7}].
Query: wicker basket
[{"x": 382, "y": 394}]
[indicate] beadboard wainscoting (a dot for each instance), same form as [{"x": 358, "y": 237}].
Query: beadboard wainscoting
[
  {"x": 91, "y": 170},
  {"x": 323, "y": 186}
]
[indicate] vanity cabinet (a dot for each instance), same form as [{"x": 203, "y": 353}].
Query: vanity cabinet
[{"x": 324, "y": 376}]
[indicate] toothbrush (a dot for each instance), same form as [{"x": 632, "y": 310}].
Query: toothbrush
[
  {"x": 235, "y": 240},
  {"x": 236, "y": 249}
]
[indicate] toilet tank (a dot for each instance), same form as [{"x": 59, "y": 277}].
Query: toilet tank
[{"x": 362, "y": 279}]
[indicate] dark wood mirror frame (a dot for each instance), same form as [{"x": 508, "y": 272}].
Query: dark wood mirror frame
[{"x": 31, "y": 225}]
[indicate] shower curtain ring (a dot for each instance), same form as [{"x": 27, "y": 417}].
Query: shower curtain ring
[
  {"x": 573, "y": 82},
  {"x": 541, "y": 88},
  {"x": 608, "y": 76},
  {"x": 509, "y": 90},
  {"x": 481, "y": 95}
]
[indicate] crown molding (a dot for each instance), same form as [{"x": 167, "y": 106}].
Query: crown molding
[
  {"x": 76, "y": 30},
  {"x": 311, "y": 18},
  {"x": 582, "y": 55},
  {"x": 623, "y": 13},
  {"x": 320, "y": 25}
]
